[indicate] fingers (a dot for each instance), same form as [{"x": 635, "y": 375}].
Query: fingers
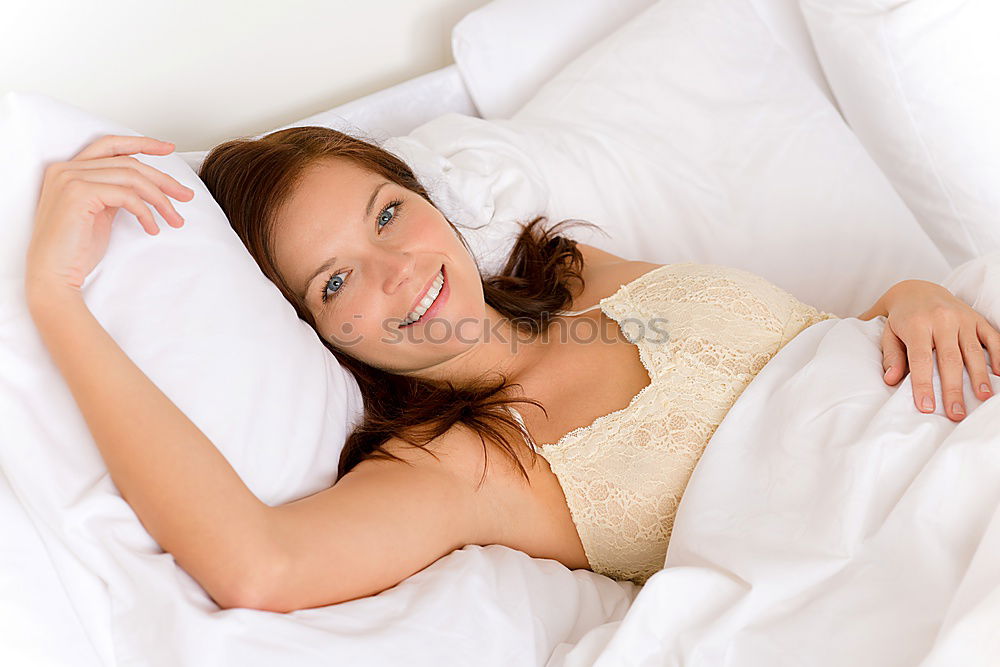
[
  {"x": 975, "y": 360},
  {"x": 894, "y": 365},
  {"x": 990, "y": 338},
  {"x": 113, "y": 144},
  {"x": 164, "y": 181},
  {"x": 115, "y": 150},
  {"x": 108, "y": 160},
  {"x": 921, "y": 359},
  {"x": 143, "y": 187},
  {"x": 950, "y": 367},
  {"x": 118, "y": 196}
]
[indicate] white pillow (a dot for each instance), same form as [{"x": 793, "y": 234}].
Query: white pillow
[
  {"x": 507, "y": 49},
  {"x": 690, "y": 134},
  {"x": 193, "y": 311},
  {"x": 919, "y": 82},
  {"x": 478, "y": 175}
]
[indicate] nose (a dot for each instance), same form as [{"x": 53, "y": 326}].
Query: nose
[{"x": 398, "y": 269}]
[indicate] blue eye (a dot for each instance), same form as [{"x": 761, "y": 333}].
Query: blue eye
[
  {"x": 333, "y": 284},
  {"x": 386, "y": 217},
  {"x": 385, "y": 212}
]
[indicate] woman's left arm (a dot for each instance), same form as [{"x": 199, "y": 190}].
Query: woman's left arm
[{"x": 923, "y": 316}]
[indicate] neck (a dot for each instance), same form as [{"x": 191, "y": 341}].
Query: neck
[{"x": 501, "y": 349}]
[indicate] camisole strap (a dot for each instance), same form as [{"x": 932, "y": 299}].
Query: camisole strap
[
  {"x": 524, "y": 429},
  {"x": 579, "y": 312}
]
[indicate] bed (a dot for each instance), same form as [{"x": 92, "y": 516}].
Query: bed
[{"x": 828, "y": 522}]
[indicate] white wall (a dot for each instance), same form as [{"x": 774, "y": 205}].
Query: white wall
[{"x": 197, "y": 72}]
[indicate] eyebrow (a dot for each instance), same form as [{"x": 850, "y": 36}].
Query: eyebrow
[{"x": 328, "y": 264}]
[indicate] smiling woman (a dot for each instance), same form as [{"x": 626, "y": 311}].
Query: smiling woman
[
  {"x": 354, "y": 242},
  {"x": 379, "y": 248},
  {"x": 310, "y": 194}
]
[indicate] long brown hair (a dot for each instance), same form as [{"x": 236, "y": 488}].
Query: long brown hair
[{"x": 252, "y": 178}]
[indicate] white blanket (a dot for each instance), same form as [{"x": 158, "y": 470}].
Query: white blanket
[{"x": 831, "y": 523}]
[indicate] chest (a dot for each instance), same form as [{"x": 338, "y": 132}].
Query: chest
[
  {"x": 597, "y": 371},
  {"x": 594, "y": 369},
  {"x": 592, "y": 379}
]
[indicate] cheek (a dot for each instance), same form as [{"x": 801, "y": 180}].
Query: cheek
[
  {"x": 346, "y": 333},
  {"x": 348, "y": 319},
  {"x": 429, "y": 222},
  {"x": 329, "y": 321}
]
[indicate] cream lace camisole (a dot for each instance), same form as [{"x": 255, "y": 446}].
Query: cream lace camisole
[{"x": 703, "y": 332}]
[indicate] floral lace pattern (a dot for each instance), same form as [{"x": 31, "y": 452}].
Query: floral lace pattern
[{"x": 624, "y": 474}]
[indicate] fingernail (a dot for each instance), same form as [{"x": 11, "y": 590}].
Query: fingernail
[
  {"x": 928, "y": 403},
  {"x": 984, "y": 388},
  {"x": 887, "y": 372},
  {"x": 957, "y": 408}
]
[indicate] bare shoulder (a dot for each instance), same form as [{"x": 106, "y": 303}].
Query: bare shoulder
[
  {"x": 595, "y": 257},
  {"x": 603, "y": 273}
]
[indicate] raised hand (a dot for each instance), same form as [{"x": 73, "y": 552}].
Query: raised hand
[{"x": 79, "y": 200}]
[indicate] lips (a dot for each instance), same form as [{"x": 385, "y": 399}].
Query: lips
[{"x": 423, "y": 293}]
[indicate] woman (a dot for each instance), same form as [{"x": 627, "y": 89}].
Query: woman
[{"x": 353, "y": 241}]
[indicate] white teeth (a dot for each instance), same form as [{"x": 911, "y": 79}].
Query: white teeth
[{"x": 426, "y": 302}]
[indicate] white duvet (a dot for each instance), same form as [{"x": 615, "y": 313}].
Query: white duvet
[
  {"x": 830, "y": 523},
  {"x": 827, "y": 523}
]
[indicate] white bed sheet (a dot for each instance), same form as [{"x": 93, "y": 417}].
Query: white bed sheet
[{"x": 38, "y": 624}]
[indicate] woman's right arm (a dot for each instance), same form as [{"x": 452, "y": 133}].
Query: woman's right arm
[
  {"x": 376, "y": 526},
  {"x": 180, "y": 486}
]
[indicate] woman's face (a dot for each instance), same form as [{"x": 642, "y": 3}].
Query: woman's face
[{"x": 362, "y": 252}]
